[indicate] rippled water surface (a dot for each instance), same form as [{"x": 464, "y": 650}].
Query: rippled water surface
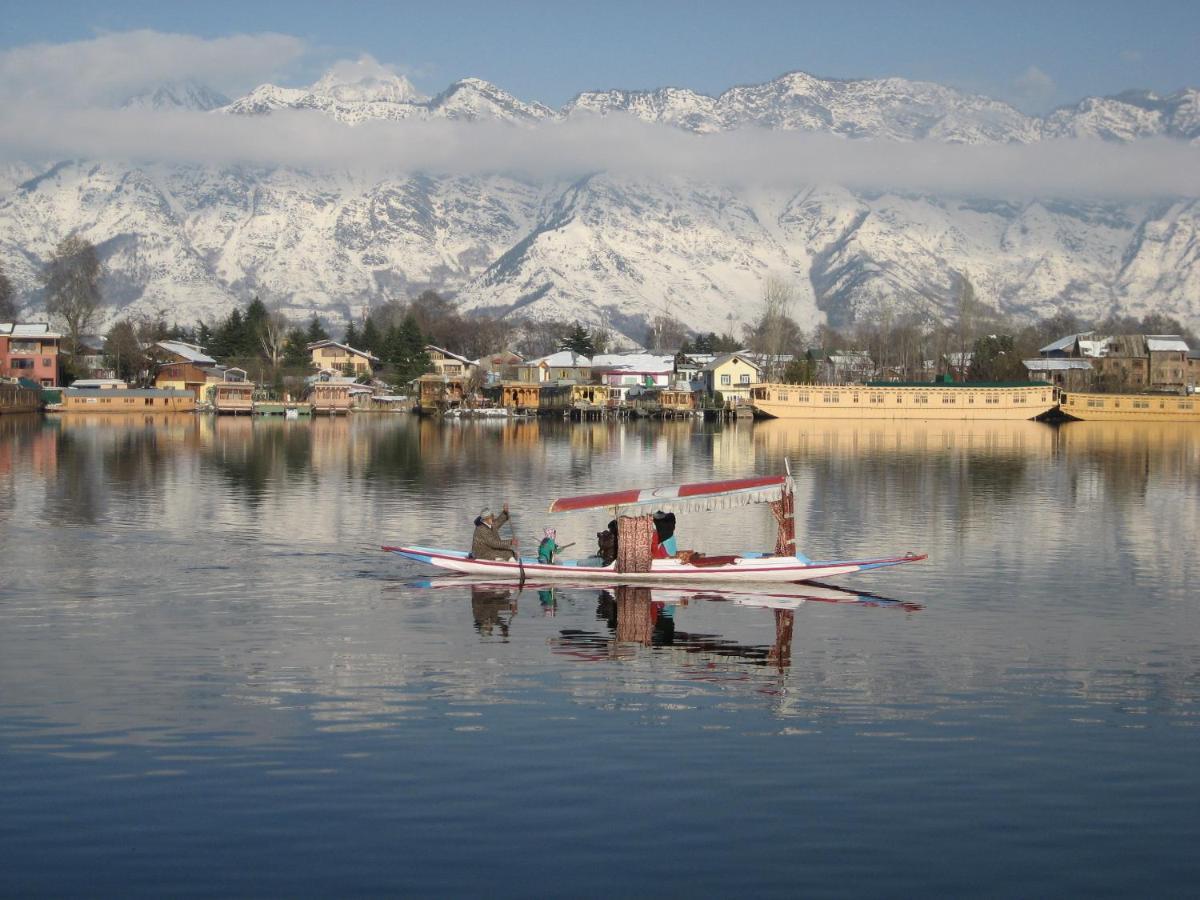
[{"x": 212, "y": 682}]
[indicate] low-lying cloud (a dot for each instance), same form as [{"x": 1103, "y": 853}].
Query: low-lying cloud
[
  {"x": 57, "y": 101},
  {"x": 615, "y": 144}
]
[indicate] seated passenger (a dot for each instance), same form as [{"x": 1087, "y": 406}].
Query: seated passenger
[
  {"x": 607, "y": 541},
  {"x": 486, "y": 543},
  {"x": 548, "y": 548},
  {"x": 662, "y": 543}
]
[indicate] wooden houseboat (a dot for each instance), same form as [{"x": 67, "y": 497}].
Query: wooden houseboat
[
  {"x": 1131, "y": 407},
  {"x": 127, "y": 400},
  {"x": 589, "y": 400},
  {"x": 886, "y": 400},
  {"x": 17, "y": 397},
  {"x": 438, "y": 393},
  {"x": 516, "y": 396},
  {"x": 232, "y": 397},
  {"x": 330, "y": 397}
]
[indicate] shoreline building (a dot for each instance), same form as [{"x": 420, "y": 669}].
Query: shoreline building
[{"x": 30, "y": 351}]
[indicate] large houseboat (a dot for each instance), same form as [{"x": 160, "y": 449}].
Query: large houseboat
[
  {"x": 906, "y": 400},
  {"x": 1131, "y": 407}
]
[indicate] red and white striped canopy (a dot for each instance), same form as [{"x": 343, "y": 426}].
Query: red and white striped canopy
[{"x": 682, "y": 497}]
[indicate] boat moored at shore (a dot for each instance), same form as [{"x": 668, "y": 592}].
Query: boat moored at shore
[
  {"x": 1131, "y": 407},
  {"x": 907, "y": 400}
]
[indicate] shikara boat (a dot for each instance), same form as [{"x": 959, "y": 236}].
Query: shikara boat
[{"x": 629, "y": 505}]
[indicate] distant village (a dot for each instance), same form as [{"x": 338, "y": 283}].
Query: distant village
[{"x": 424, "y": 356}]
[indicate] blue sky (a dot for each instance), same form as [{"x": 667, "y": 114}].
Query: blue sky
[{"x": 1036, "y": 55}]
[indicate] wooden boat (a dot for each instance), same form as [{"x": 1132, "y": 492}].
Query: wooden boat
[
  {"x": 1131, "y": 407},
  {"x": 627, "y": 506}
]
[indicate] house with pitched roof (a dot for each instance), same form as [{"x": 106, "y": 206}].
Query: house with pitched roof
[
  {"x": 333, "y": 356},
  {"x": 30, "y": 351}
]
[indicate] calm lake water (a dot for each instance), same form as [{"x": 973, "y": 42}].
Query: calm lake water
[{"x": 211, "y": 682}]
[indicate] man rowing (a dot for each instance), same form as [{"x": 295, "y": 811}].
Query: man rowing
[{"x": 486, "y": 543}]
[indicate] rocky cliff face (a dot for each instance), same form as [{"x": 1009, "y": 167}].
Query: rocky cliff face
[{"x": 190, "y": 242}]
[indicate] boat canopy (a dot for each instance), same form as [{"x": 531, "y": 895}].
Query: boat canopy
[{"x": 682, "y": 497}]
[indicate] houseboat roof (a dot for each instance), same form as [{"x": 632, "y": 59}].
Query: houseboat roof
[
  {"x": 126, "y": 392},
  {"x": 192, "y": 353},
  {"x": 27, "y": 330},
  {"x": 92, "y": 384},
  {"x": 1066, "y": 342}
]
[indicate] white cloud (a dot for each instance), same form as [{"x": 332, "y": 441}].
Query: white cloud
[
  {"x": 109, "y": 68},
  {"x": 1033, "y": 86},
  {"x": 309, "y": 140}
]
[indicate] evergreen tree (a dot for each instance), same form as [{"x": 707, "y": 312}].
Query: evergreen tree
[
  {"x": 406, "y": 351},
  {"x": 579, "y": 340},
  {"x": 253, "y": 321},
  {"x": 370, "y": 338},
  {"x": 316, "y": 331},
  {"x": 351, "y": 337},
  {"x": 295, "y": 349},
  {"x": 204, "y": 336}
]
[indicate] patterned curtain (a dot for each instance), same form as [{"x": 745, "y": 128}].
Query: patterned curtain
[
  {"x": 635, "y": 615},
  {"x": 784, "y": 511},
  {"x": 634, "y": 535}
]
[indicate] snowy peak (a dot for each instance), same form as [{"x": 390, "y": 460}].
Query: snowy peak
[
  {"x": 474, "y": 98},
  {"x": 187, "y": 95},
  {"x": 366, "y": 81}
]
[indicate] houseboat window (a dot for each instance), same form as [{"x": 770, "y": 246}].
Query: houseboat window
[
  {"x": 803, "y": 398},
  {"x": 854, "y": 397},
  {"x": 1140, "y": 404},
  {"x": 922, "y": 398},
  {"x": 726, "y": 379},
  {"x": 1185, "y": 404},
  {"x": 949, "y": 398}
]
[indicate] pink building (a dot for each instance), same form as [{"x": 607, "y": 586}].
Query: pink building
[{"x": 29, "y": 351}]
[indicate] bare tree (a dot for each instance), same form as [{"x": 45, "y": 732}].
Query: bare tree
[
  {"x": 72, "y": 280},
  {"x": 775, "y": 329},
  {"x": 8, "y": 307},
  {"x": 665, "y": 334},
  {"x": 272, "y": 335}
]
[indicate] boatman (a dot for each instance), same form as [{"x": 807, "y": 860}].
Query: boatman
[{"x": 486, "y": 543}]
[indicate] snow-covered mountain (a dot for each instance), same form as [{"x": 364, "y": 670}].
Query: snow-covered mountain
[{"x": 190, "y": 242}]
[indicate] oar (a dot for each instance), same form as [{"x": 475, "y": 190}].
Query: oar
[{"x": 517, "y": 552}]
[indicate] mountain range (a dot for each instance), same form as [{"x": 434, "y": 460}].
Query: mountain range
[{"x": 192, "y": 241}]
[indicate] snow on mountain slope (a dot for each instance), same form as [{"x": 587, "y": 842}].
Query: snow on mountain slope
[{"x": 193, "y": 241}]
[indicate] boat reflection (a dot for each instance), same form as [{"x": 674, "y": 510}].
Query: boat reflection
[{"x": 648, "y": 615}]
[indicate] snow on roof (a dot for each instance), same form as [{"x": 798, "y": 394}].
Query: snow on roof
[
  {"x": 1155, "y": 342},
  {"x": 1063, "y": 343},
  {"x": 28, "y": 330},
  {"x": 563, "y": 359},
  {"x": 1056, "y": 365},
  {"x": 316, "y": 345},
  {"x": 445, "y": 352},
  {"x": 726, "y": 357},
  {"x": 634, "y": 363},
  {"x": 191, "y": 352}
]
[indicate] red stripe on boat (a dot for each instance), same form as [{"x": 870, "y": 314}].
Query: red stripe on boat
[{"x": 674, "y": 492}]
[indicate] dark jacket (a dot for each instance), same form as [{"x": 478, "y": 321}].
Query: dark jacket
[{"x": 486, "y": 543}]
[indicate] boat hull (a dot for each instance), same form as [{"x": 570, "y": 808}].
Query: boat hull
[{"x": 762, "y": 569}]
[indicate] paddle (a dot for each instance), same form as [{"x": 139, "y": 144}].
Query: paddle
[{"x": 516, "y": 549}]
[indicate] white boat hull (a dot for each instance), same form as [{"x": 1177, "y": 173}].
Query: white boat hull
[{"x": 745, "y": 568}]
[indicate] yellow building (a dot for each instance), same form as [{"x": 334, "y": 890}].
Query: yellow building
[
  {"x": 450, "y": 364},
  {"x": 732, "y": 375},
  {"x": 330, "y": 356}
]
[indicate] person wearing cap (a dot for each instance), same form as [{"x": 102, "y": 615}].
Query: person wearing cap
[
  {"x": 548, "y": 547},
  {"x": 486, "y": 543}
]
